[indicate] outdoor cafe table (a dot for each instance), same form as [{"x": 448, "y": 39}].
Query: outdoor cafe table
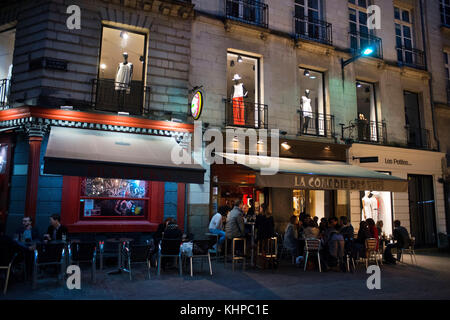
[{"x": 119, "y": 242}]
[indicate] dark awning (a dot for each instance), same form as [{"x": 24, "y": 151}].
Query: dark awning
[
  {"x": 95, "y": 153},
  {"x": 315, "y": 174}
]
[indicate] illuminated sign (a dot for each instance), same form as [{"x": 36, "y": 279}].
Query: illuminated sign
[{"x": 197, "y": 104}]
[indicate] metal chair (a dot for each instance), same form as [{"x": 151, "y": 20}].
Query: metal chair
[
  {"x": 106, "y": 250},
  {"x": 267, "y": 250},
  {"x": 410, "y": 250},
  {"x": 312, "y": 246},
  {"x": 138, "y": 254},
  {"x": 6, "y": 264},
  {"x": 49, "y": 254},
  {"x": 234, "y": 256},
  {"x": 371, "y": 251},
  {"x": 217, "y": 236},
  {"x": 200, "y": 249},
  {"x": 170, "y": 248},
  {"x": 85, "y": 252}
]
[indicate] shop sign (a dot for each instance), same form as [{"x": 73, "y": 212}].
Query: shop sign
[
  {"x": 398, "y": 162},
  {"x": 327, "y": 183},
  {"x": 197, "y": 104}
]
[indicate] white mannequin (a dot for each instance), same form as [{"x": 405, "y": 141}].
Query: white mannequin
[
  {"x": 306, "y": 109},
  {"x": 366, "y": 206},
  {"x": 124, "y": 74}
]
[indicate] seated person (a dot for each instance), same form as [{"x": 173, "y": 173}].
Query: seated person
[
  {"x": 173, "y": 231},
  {"x": 402, "y": 241},
  {"x": 216, "y": 225},
  {"x": 26, "y": 232},
  {"x": 359, "y": 246},
  {"x": 157, "y": 236},
  {"x": 290, "y": 241},
  {"x": 373, "y": 231},
  {"x": 311, "y": 231},
  {"x": 10, "y": 247},
  {"x": 56, "y": 230},
  {"x": 264, "y": 224},
  {"x": 234, "y": 227}
]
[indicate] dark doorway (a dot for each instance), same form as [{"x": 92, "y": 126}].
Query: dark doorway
[
  {"x": 330, "y": 203},
  {"x": 422, "y": 210},
  {"x": 416, "y": 136}
]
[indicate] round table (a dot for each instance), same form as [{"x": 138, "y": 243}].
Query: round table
[{"x": 120, "y": 242}]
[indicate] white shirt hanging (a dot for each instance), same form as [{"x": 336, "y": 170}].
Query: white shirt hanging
[{"x": 123, "y": 77}]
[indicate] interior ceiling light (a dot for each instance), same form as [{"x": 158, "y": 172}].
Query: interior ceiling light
[
  {"x": 103, "y": 66},
  {"x": 232, "y": 63},
  {"x": 306, "y": 73},
  {"x": 358, "y": 84},
  {"x": 286, "y": 146},
  {"x": 124, "y": 35},
  {"x": 239, "y": 59}
]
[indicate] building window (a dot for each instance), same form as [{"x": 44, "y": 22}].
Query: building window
[
  {"x": 118, "y": 198},
  {"x": 312, "y": 103},
  {"x": 244, "y": 106},
  {"x": 121, "y": 73},
  {"x": 445, "y": 12},
  {"x": 404, "y": 35},
  {"x": 7, "y": 40},
  {"x": 367, "y": 112},
  {"x": 447, "y": 73}
]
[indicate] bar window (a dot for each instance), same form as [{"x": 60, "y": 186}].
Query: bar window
[{"x": 118, "y": 198}]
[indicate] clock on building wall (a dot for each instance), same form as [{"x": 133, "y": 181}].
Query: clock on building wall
[{"x": 197, "y": 103}]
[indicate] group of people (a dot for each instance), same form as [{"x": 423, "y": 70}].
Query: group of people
[
  {"x": 230, "y": 223},
  {"x": 338, "y": 238}
]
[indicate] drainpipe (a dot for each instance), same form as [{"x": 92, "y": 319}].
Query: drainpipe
[{"x": 430, "y": 82}]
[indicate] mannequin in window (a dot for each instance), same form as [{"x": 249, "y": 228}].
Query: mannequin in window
[
  {"x": 124, "y": 75},
  {"x": 363, "y": 128},
  {"x": 370, "y": 206},
  {"x": 238, "y": 95},
  {"x": 306, "y": 110}
]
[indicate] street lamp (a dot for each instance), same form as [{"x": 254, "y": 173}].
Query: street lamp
[{"x": 364, "y": 53}]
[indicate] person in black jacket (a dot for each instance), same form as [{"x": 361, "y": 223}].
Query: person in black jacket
[
  {"x": 10, "y": 247},
  {"x": 359, "y": 246},
  {"x": 56, "y": 230},
  {"x": 173, "y": 231},
  {"x": 402, "y": 240},
  {"x": 26, "y": 232}
]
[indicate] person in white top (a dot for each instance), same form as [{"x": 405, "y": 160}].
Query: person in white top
[
  {"x": 216, "y": 224},
  {"x": 307, "y": 110}
]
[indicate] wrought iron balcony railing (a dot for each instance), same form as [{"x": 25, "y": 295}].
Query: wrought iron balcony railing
[
  {"x": 359, "y": 41},
  {"x": 108, "y": 95},
  {"x": 313, "y": 29},
  {"x": 252, "y": 12},
  {"x": 5, "y": 88},
  {"x": 365, "y": 131},
  {"x": 418, "y": 138},
  {"x": 246, "y": 114},
  {"x": 315, "y": 124},
  {"x": 411, "y": 57}
]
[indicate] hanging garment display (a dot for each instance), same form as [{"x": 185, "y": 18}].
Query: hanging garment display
[{"x": 123, "y": 77}]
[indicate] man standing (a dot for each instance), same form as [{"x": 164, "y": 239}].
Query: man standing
[
  {"x": 216, "y": 225},
  {"x": 235, "y": 222},
  {"x": 26, "y": 232},
  {"x": 402, "y": 240}
]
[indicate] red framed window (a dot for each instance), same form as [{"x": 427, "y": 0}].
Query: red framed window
[{"x": 114, "y": 198}]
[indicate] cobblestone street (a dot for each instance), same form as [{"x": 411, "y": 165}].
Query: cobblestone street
[{"x": 429, "y": 280}]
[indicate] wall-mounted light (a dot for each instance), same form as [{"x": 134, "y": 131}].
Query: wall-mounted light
[
  {"x": 239, "y": 59},
  {"x": 286, "y": 146},
  {"x": 327, "y": 148},
  {"x": 306, "y": 73},
  {"x": 358, "y": 84},
  {"x": 235, "y": 139},
  {"x": 103, "y": 66}
]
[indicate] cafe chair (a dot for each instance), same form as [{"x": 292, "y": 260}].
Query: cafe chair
[
  {"x": 169, "y": 248},
  {"x": 410, "y": 250},
  {"x": 6, "y": 263},
  {"x": 371, "y": 252},
  {"x": 234, "y": 254},
  {"x": 49, "y": 254},
  {"x": 106, "y": 250},
  {"x": 138, "y": 254},
  {"x": 200, "y": 249},
  {"x": 85, "y": 252},
  {"x": 312, "y": 246},
  {"x": 216, "y": 237}
]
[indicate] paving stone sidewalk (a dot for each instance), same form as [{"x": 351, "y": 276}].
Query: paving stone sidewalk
[{"x": 430, "y": 279}]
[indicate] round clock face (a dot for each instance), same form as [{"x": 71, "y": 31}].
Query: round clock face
[{"x": 197, "y": 105}]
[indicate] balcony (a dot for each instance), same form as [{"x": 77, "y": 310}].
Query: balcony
[
  {"x": 248, "y": 11},
  {"x": 315, "y": 124},
  {"x": 365, "y": 131},
  {"x": 360, "y": 41},
  {"x": 5, "y": 86},
  {"x": 246, "y": 114},
  {"x": 418, "y": 138},
  {"x": 313, "y": 29},
  {"x": 411, "y": 57},
  {"x": 111, "y": 96}
]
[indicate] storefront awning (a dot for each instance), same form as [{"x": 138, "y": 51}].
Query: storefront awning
[
  {"x": 94, "y": 153},
  {"x": 316, "y": 175}
]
